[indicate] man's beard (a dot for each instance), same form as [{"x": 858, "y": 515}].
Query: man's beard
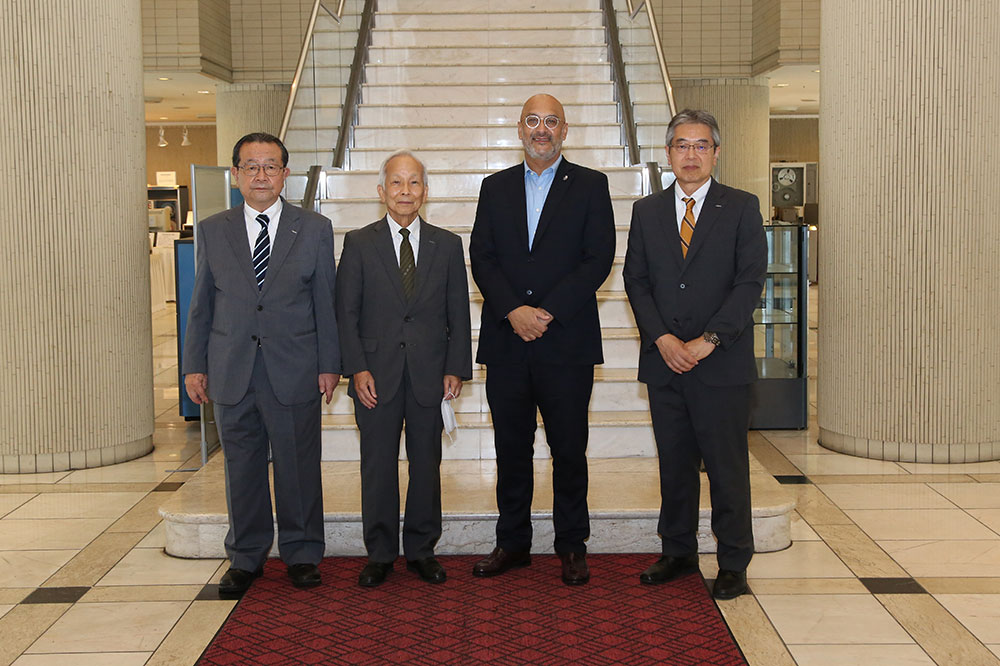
[{"x": 554, "y": 147}]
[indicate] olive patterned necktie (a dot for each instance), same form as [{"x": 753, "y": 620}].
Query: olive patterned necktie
[{"x": 407, "y": 267}]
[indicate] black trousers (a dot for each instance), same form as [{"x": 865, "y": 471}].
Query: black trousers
[
  {"x": 294, "y": 434},
  {"x": 380, "y": 430},
  {"x": 516, "y": 392},
  {"x": 693, "y": 422}
]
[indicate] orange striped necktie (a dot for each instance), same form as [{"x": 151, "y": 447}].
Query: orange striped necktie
[{"x": 687, "y": 226}]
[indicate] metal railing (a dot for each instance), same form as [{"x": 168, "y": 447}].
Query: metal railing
[
  {"x": 354, "y": 84},
  {"x": 661, "y": 60},
  {"x": 621, "y": 81}
]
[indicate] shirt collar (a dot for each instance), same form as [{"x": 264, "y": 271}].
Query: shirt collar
[
  {"x": 550, "y": 169},
  {"x": 395, "y": 226},
  {"x": 698, "y": 196},
  {"x": 272, "y": 212}
]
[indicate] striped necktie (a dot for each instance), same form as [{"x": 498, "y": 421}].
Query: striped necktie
[
  {"x": 687, "y": 226},
  {"x": 261, "y": 251},
  {"x": 407, "y": 267}
]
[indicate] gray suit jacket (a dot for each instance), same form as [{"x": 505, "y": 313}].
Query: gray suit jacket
[
  {"x": 292, "y": 317},
  {"x": 380, "y": 329}
]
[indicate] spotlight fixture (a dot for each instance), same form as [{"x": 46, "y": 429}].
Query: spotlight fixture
[
  {"x": 185, "y": 141},
  {"x": 781, "y": 85},
  {"x": 162, "y": 143},
  {"x": 163, "y": 78}
]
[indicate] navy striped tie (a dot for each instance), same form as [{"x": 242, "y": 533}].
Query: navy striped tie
[{"x": 261, "y": 251}]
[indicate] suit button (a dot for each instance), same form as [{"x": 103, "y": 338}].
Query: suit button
[
  {"x": 259, "y": 308},
  {"x": 675, "y": 321},
  {"x": 402, "y": 345},
  {"x": 531, "y": 260},
  {"x": 407, "y": 318},
  {"x": 529, "y": 292},
  {"x": 253, "y": 337},
  {"x": 683, "y": 286}
]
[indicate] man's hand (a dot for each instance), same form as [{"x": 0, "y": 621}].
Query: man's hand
[
  {"x": 529, "y": 323},
  {"x": 675, "y": 353},
  {"x": 327, "y": 382},
  {"x": 196, "y": 384},
  {"x": 453, "y": 385},
  {"x": 699, "y": 347},
  {"x": 364, "y": 387}
]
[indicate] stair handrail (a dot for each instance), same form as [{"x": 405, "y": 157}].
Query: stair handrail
[
  {"x": 661, "y": 60},
  {"x": 621, "y": 81},
  {"x": 354, "y": 83},
  {"x": 303, "y": 54}
]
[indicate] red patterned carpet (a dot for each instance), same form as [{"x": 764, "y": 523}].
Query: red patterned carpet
[{"x": 526, "y": 616}]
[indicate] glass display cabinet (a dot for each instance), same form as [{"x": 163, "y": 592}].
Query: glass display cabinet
[{"x": 780, "y": 329}]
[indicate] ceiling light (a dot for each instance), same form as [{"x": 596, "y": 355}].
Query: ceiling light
[
  {"x": 162, "y": 143},
  {"x": 163, "y": 118},
  {"x": 163, "y": 78},
  {"x": 807, "y": 99},
  {"x": 185, "y": 141},
  {"x": 815, "y": 71},
  {"x": 781, "y": 85},
  {"x": 204, "y": 92}
]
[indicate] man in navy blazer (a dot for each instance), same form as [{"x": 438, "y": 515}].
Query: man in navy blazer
[
  {"x": 542, "y": 244},
  {"x": 694, "y": 272},
  {"x": 261, "y": 343}
]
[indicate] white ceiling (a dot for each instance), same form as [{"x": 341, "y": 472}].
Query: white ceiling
[{"x": 798, "y": 93}]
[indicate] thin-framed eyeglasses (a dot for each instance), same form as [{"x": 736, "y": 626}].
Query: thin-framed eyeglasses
[
  {"x": 269, "y": 169},
  {"x": 532, "y": 121},
  {"x": 700, "y": 147}
]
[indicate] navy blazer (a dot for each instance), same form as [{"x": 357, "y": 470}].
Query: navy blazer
[
  {"x": 714, "y": 288},
  {"x": 573, "y": 250}
]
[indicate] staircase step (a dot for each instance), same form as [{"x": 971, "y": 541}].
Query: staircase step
[
  {"x": 499, "y": 93},
  {"x": 525, "y": 37},
  {"x": 485, "y": 6},
  {"x": 487, "y": 55},
  {"x": 394, "y": 74},
  {"x": 494, "y": 21},
  {"x": 624, "y": 503},
  {"x": 449, "y": 116},
  {"x": 492, "y": 158}
]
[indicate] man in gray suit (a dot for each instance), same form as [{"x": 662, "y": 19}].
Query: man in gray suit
[
  {"x": 262, "y": 344},
  {"x": 406, "y": 340}
]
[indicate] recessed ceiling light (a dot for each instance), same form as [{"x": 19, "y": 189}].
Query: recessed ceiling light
[
  {"x": 815, "y": 71},
  {"x": 204, "y": 92},
  {"x": 781, "y": 85},
  {"x": 163, "y": 78},
  {"x": 163, "y": 118}
]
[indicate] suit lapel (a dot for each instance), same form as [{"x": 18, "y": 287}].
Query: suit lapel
[
  {"x": 425, "y": 256},
  {"x": 710, "y": 211},
  {"x": 387, "y": 254},
  {"x": 560, "y": 186},
  {"x": 288, "y": 230},
  {"x": 671, "y": 235},
  {"x": 236, "y": 233},
  {"x": 519, "y": 202}
]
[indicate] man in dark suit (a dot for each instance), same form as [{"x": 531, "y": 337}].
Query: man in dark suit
[
  {"x": 261, "y": 343},
  {"x": 406, "y": 339},
  {"x": 694, "y": 271},
  {"x": 542, "y": 244}
]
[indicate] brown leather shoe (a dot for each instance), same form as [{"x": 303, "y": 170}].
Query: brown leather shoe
[
  {"x": 574, "y": 568},
  {"x": 500, "y": 561}
]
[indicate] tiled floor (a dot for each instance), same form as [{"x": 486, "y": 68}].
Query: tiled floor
[{"x": 890, "y": 563}]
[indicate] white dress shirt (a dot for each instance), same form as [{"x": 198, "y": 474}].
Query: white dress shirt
[
  {"x": 253, "y": 226},
  {"x": 397, "y": 239},
  {"x": 681, "y": 206}
]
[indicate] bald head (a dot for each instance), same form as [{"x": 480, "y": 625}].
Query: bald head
[{"x": 542, "y": 142}]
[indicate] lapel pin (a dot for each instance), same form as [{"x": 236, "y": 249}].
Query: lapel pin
[
  {"x": 718, "y": 205},
  {"x": 566, "y": 177},
  {"x": 294, "y": 231}
]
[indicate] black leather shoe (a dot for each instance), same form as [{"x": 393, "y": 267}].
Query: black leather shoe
[
  {"x": 730, "y": 584},
  {"x": 668, "y": 568},
  {"x": 374, "y": 574},
  {"x": 237, "y": 581},
  {"x": 500, "y": 561},
  {"x": 304, "y": 575},
  {"x": 429, "y": 570},
  {"x": 574, "y": 568}
]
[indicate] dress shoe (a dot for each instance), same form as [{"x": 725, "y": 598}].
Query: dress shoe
[
  {"x": 429, "y": 570},
  {"x": 374, "y": 574},
  {"x": 304, "y": 575},
  {"x": 667, "y": 568},
  {"x": 574, "y": 568},
  {"x": 500, "y": 561},
  {"x": 730, "y": 584},
  {"x": 237, "y": 581}
]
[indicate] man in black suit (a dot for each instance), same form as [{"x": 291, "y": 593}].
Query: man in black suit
[
  {"x": 406, "y": 339},
  {"x": 694, "y": 271},
  {"x": 542, "y": 244},
  {"x": 261, "y": 342}
]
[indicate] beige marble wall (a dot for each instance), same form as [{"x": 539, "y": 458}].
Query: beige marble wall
[
  {"x": 241, "y": 108},
  {"x": 741, "y": 107},
  {"x": 188, "y": 35},
  {"x": 908, "y": 369},
  {"x": 76, "y": 386},
  {"x": 267, "y": 37}
]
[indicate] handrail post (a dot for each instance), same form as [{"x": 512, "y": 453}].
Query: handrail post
[
  {"x": 303, "y": 53},
  {"x": 664, "y": 73},
  {"x": 621, "y": 81},
  {"x": 354, "y": 83}
]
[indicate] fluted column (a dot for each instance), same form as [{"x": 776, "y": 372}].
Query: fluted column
[
  {"x": 76, "y": 386},
  {"x": 909, "y": 365},
  {"x": 741, "y": 105},
  {"x": 241, "y": 108}
]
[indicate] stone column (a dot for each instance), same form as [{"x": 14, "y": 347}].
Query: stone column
[
  {"x": 742, "y": 108},
  {"x": 241, "y": 108},
  {"x": 909, "y": 364},
  {"x": 76, "y": 387}
]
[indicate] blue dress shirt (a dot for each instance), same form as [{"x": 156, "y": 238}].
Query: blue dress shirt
[{"x": 536, "y": 190}]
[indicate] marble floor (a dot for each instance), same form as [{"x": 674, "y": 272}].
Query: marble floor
[{"x": 890, "y": 563}]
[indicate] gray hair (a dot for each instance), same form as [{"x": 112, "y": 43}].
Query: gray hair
[
  {"x": 400, "y": 153},
  {"x": 694, "y": 117}
]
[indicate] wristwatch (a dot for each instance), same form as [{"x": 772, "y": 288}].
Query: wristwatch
[{"x": 709, "y": 336}]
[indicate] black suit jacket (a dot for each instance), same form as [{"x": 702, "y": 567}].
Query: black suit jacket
[
  {"x": 380, "y": 329},
  {"x": 571, "y": 257},
  {"x": 715, "y": 288}
]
